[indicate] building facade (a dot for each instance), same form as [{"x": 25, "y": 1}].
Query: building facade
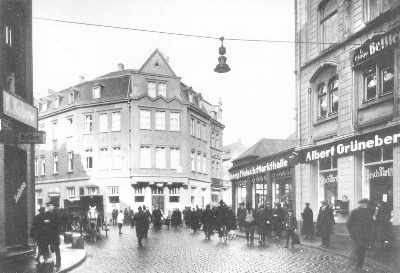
[
  {"x": 129, "y": 138},
  {"x": 347, "y": 92},
  {"x": 18, "y": 117},
  {"x": 264, "y": 174}
]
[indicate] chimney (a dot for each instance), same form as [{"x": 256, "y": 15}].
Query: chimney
[
  {"x": 81, "y": 78},
  {"x": 50, "y": 91},
  {"x": 120, "y": 67}
]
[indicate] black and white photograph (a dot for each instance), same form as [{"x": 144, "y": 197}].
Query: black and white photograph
[{"x": 200, "y": 136}]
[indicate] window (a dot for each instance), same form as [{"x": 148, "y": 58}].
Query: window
[
  {"x": 70, "y": 123},
  {"x": 55, "y": 163},
  {"x": 192, "y": 126},
  {"x": 103, "y": 122},
  {"x": 54, "y": 129},
  {"x": 162, "y": 90},
  {"x": 198, "y": 162},
  {"x": 160, "y": 120},
  {"x": 190, "y": 97},
  {"x": 71, "y": 98},
  {"x": 139, "y": 199},
  {"x": 145, "y": 157},
  {"x": 379, "y": 79},
  {"x": 145, "y": 119},
  {"x": 193, "y": 161},
  {"x": 174, "y": 121},
  {"x": 92, "y": 190},
  {"x": 70, "y": 161},
  {"x": 103, "y": 158},
  {"x": 198, "y": 129},
  {"x": 328, "y": 164},
  {"x": 88, "y": 124},
  {"x": 89, "y": 159},
  {"x": 81, "y": 191},
  {"x": 204, "y": 132},
  {"x": 174, "y": 199},
  {"x": 116, "y": 158},
  {"x": 151, "y": 89},
  {"x": 36, "y": 167},
  {"x": 139, "y": 190},
  {"x": 328, "y": 98},
  {"x": 204, "y": 169},
  {"x": 373, "y": 8},
  {"x": 43, "y": 167},
  {"x": 71, "y": 192},
  {"x": 174, "y": 190},
  {"x": 175, "y": 158},
  {"x": 157, "y": 190},
  {"x": 43, "y": 106},
  {"x": 57, "y": 102},
  {"x": 8, "y": 36},
  {"x": 113, "y": 190},
  {"x": 160, "y": 157},
  {"x": 96, "y": 92},
  {"x": 328, "y": 23},
  {"x": 116, "y": 121},
  {"x": 378, "y": 155}
]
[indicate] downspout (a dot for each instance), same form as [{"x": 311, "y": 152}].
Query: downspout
[{"x": 130, "y": 88}]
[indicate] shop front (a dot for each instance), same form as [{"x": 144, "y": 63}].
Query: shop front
[{"x": 266, "y": 180}]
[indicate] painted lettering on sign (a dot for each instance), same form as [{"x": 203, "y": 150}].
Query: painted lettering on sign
[
  {"x": 381, "y": 172},
  {"x": 329, "y": 178},
  {"x": 262, "y": 168},
  {"x": 352, "y": 147},
  {"x": 19, "y": 193}
]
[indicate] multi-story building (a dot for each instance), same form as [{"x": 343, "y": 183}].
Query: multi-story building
[
  {"x": 18, "y": 118},
  {"x": 348, "y": 88},
  {"x": 129, "y": 138}
]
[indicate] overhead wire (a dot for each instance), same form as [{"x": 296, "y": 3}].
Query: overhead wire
[{"x": 188, "y": 35}]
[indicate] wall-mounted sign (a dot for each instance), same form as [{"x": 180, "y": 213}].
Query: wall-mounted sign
[
  {"x": 19, "y": 110},
  {"x": 329, "y": 178},
  {"x": 376, "y": 45},
  {"x": 35, "y": 137},
  {"x": 261, "y": 168},
  {"x": 380, "y": 171},
  {"x": 353, "y": 146},
  {"x": 19, "y": 193}
]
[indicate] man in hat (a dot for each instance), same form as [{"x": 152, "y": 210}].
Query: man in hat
[
  {"x": 53, "y": 227},
  {"x": 290, "y": 227},
  {"x": 39, "y": 234},
  {"x": 325, "y": 222},
  {"x": 360, "y": 226}
]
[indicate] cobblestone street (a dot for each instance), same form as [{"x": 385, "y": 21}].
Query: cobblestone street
[{"x": 170, "y": 251}]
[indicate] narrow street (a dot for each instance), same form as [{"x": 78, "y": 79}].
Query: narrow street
[{"x": 170, "y": 251}]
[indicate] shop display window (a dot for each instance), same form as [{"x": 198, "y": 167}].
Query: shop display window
[{"x": 328, "y": 179}]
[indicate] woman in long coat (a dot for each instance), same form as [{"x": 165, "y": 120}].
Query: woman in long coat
[
  {"x": 325, "y": 223},
  {"x": 308, "y": 223}
]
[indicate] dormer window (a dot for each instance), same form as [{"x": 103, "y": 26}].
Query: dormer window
[
  {"x": 43, "y": 106},
  {"x": 155, "y": 89},
  {"x": 71, "y": 98},
  {"x": 96, "y": 92},
  {"x": 190, "y": 97},
  {"x": 57, "y": 101}
]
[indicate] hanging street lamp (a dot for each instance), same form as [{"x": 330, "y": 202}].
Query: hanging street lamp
[{"x": 222, "y": 66}]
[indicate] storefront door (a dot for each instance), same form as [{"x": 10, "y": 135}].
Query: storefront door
[
  {"x": 16, "y": 196},
  {"x": 158, "y": 200},
  {"x": 381, "y": 190}
]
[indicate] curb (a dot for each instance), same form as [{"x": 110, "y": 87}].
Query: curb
[
  {"x": 370, "y": 263},
  {"x": 76, "y": 264}
]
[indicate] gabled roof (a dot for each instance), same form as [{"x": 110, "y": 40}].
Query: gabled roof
[
  {"x": 266, "y": 147},
  {"x": 157, "y": 55}
]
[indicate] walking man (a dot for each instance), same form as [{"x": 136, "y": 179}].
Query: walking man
[
  {"x": 39, "y": 234},
  {"x": 120, "y": 221},
  {"x": 140, "y": 220},
  {"x": 52, "y": 224},
  {"x": 250, "y": 225},
  {"x": 325, "y": 223},
  {"x": 290, "y": 227},
  {"x": 360, "y": 226},
  {"x": 308, "y": 224}
]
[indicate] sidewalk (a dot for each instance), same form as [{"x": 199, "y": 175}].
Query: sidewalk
[
  {"x": 70, "y": 258},
  {"x": 341, "y": 245}
]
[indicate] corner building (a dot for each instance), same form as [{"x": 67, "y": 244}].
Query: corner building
[
  {"x": 129, "y": 138},
  {"x": 347, "y": 96}
]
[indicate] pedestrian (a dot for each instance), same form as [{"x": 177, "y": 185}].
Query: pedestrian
[
  {"x": 194, "y": 219},
  {"x": 39, "y": 235},
  {"x": 383, "y": 226},
  {"x": 140, "y": 220},
  {"x": 278, "y": 217},
  {"x": 120, "y": 221},
  {"x": 52, "y": 227},
  {"x": 114, "y": 215},
  {"x": 156, "y": 218},
  {"x": 360, "y": 226},
  {"x": 290, "y": 227},
  {"x": 220, "y": 218},
  {"x": 126, "y": 216},
  {"x": 249, "y": 221},
  {"x": 168, "y": 219},
  {"x": 241, "y": 214},
  {"x": 307, "y": 228},
  {"x": 325, "y": 222},
  {"x": 148, "y": 220},
  {"x": 208, "y": 220},
  {"x": 261, "y": 224},
  {"x": 176, "y": 219}
]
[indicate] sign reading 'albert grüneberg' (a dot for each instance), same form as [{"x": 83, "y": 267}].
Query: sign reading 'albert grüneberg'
[
  {"x": 19, "y": 110},
  {"x": 352, "y": 147}
]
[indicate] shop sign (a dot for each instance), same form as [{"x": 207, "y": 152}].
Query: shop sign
[
  {"x": 19, "y": 193},
  {"x": 381, "y": 171},
  {"x": 329, "y": 178},
  {"x": 376, "y": 45},
  {"x": 352, "y": 147},
  {"x": 19, "y": 110},
  {"x": 261, "y": 168},
  {"x": 35, "y": 137}
]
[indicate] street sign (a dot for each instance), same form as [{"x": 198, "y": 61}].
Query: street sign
[
  {"x": 36, "y": 137},
  {"x": 17, "y": 109}
]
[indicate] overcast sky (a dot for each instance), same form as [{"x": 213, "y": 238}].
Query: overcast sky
[{"x": 258, "y": 94}]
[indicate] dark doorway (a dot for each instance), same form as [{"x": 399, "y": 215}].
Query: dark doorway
[
  {"x": 16, "y": 196},
  {"x": 158, "y": 200}
]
